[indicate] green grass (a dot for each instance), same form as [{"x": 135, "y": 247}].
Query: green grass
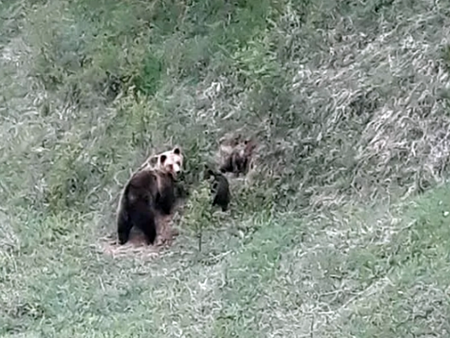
[
  {"x": 381, "y": 272},
  {"x": 341, "y": 231}
]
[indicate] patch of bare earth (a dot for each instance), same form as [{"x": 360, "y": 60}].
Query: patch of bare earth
[{"x": 137, "y": 246}]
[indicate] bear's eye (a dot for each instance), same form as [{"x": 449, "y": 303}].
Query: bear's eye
[{"x": 179, "y": 163}]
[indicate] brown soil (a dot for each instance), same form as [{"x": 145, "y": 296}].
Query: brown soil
[{"x": 137, "y": 246}]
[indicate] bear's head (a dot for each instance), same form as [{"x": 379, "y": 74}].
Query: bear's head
[
  {"x": 168, "y": 162},
  {"x": 249, "y": 146}
]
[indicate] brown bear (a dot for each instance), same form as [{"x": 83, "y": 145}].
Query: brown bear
[
  {"x": 237, "y": 155},
  {"x": 149, "y": 191}
]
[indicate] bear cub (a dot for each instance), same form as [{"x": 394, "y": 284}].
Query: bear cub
[
  {"x": 220, "y": 188},
  {"x": 237, "y": 155}
]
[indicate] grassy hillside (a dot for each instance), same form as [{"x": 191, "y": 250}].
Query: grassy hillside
[{"x": 341, "y": 231}]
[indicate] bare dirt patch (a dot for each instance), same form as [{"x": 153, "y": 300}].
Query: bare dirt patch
[{"x": 137, "y": 245}]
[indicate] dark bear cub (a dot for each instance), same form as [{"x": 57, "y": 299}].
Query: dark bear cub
[{"x": 220, "y": 188}]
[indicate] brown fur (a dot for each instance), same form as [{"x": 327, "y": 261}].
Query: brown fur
[
  {"x": 136, "y": 206},
  {"x": 237, "y": 155},
  {"x": 150, "y": 191}
]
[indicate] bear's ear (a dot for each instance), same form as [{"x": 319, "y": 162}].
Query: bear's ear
[
  {"x": 153, "y": 160},
  {"x": 163, "y": 158},
  {"x": 176, "y": 151}
]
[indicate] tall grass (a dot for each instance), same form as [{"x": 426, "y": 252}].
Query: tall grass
[{"x": 348, "y": 101}]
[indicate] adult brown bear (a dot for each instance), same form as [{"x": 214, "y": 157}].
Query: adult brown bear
[{"x": 149, "y": 191}]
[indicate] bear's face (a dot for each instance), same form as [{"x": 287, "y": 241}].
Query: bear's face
[
  {"x": 169, "y": 161},
  {"x": 208, "y": 174},
  {"x": 249, "y": 147},
  {"x": 228, "y": 143}
]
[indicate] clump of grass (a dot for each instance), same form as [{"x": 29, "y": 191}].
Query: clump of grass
[
  {"x": 198, "y": 213},
  {"x": 321, "y": 134}
]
